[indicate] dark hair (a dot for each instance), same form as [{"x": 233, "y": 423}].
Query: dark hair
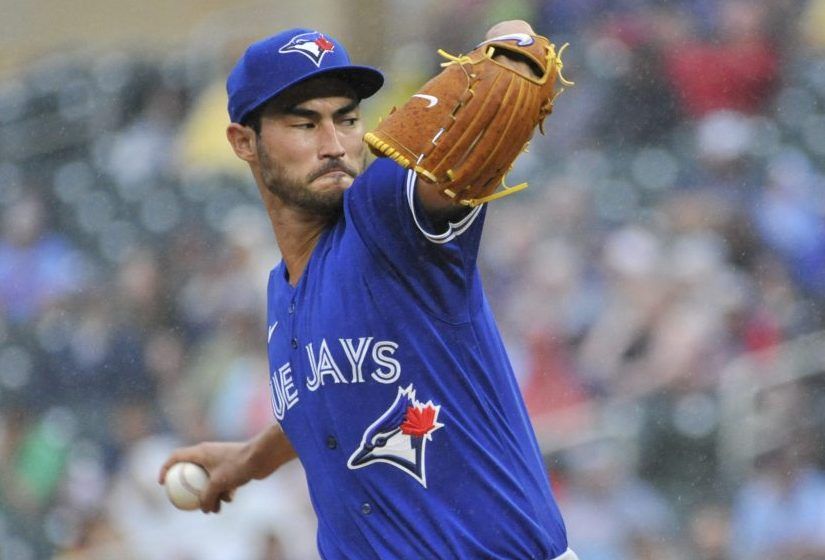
[{"x": 253, "y": 119}]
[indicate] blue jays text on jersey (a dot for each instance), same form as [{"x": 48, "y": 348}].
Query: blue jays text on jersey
[{"x": 391, "y": 381}]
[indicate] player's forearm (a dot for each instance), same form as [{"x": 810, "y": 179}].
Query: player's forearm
[{"x": 267, "y": 451}]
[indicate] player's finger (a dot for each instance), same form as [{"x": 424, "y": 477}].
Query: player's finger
[
  {"x": 176, "y": 457},
  {"x": 207, "y": 502},
  {"x": 210, "y": 501},
  {"x": 190, "y": 454},
  {"x": 173, "y": 458}
]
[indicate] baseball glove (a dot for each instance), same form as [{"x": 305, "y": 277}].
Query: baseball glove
[{"x": 465, "y": 127}]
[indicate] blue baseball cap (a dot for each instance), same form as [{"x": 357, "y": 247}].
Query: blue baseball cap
[{"x": 272, "y": 65}]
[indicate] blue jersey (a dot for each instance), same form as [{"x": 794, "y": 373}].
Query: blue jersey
[{"x": 391, "y": 381}]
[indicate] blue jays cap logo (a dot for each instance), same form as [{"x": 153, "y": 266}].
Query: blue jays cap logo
[
  {"x": 312, "y": 45},
  {"x": 399, "y": 437}
]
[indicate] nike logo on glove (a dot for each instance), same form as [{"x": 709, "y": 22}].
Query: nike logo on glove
[
  {"x": 431, "y": 98},
  {"x": 271, "y": 330}
]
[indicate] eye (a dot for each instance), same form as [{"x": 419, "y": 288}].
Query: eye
[
  {"x": 380, "y": 441},
  {"x": 304, "y": 126},
  {"x": 350, "y": 121}
]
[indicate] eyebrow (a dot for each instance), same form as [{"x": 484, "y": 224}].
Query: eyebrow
[{"x": 310, "y": 114}]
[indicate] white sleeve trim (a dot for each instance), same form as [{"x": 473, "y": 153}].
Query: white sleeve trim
[{"x": 454, "y": 229}]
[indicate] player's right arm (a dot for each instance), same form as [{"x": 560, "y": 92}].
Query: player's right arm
[{"x": 233, "y": 464}]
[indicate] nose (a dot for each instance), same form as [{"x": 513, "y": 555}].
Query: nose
[{"x": 330, "y": 144}]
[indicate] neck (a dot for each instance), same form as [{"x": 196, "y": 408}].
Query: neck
[{"x": 296, "y": 232}]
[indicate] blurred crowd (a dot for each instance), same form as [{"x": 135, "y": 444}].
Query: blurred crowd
[{"x": 675, "y": 221}]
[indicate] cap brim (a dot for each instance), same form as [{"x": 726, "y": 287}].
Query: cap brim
[{"x": 363, "y": 79}]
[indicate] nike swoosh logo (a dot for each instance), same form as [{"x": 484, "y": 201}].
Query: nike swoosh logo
[
  {"x": 431, "y": 98},
  {"x": 522, "y": 39},
  {"x": 271, "y": 330}
]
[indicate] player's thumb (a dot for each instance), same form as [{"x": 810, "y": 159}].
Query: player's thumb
[{"x": 210, "y": 497}]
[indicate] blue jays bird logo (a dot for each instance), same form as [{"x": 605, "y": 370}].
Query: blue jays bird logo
[
  {"x": 399, "y": 437},
  {"x": 312, "y": 45}
]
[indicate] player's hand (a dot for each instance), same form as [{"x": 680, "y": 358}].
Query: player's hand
[
  {"x": 226, "y": 464},
  {"x": 506, "y": 58}
]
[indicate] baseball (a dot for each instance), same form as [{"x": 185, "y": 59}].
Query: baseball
[{"x": 184, "y": 483}]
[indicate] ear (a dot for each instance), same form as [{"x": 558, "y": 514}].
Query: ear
[{"x": 243, "y": 141}]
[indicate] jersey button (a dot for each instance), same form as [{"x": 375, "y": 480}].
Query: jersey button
[
  {"x": 366, "y": 508},
  {"x": 291, "y": 307},
  {"x": 332, "y": 443},
  {"x": 295, "y": 343}
]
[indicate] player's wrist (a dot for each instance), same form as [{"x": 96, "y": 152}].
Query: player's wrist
[
  {"x": 250, "y": 460},
  {"x": 263, "y": 454}
]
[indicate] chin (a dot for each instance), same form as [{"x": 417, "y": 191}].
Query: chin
[{"x": 329, "y": 198}]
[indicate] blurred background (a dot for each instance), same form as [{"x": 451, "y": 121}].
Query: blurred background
[{"x": 660, "y": 285}]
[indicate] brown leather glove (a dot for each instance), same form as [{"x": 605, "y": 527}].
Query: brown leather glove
[{"x": 463, "y": 130}]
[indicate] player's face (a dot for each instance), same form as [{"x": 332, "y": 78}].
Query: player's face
[{"x": 311, "y": 151}]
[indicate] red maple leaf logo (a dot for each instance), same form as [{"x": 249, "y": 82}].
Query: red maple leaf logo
[
  {"x": 419, "y": 421},
  {"x": 324, "y": 43}
]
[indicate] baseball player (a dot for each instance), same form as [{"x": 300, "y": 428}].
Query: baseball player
[{"x": 389, "y": 379}]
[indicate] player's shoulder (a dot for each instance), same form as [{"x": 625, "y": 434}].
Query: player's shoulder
[
  {"x": 375, "y": 205},
  {"x": 381, "y": 171}
]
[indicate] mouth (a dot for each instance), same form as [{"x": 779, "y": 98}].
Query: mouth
[
  {"x": 334, "y": 172},
  {"x": 334, "y": 179}
]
